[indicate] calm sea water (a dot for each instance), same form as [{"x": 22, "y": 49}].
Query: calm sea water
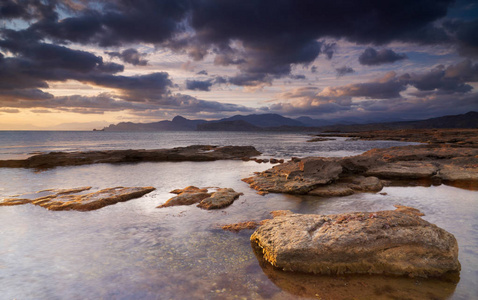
[
  {"x": 133, "y": 250},
  {"x": 21, "y": 144}
]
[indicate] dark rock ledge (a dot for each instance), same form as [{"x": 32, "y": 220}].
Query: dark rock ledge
[{"x": 190, "y": 153}]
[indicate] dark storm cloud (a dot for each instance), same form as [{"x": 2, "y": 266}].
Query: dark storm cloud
[
  {"x": 342, "y": 71},
  {"x": 27, "y": 9},
  {"x": 452, "y": 79},
  {"x": 441, "y": 91},
  {"x": 199, "y": 85},
  {"x": 36, "y": 62},
  {"x": 112, "y": 23},
  {"x": 205, "y": 85},
  {"x": 386, "y": 87},
  {"x": 371, "y": 57},
  {"x": 436, "y": 80},
  {"x": 465, "y": 35},
  {"x": 270, "y": 35},
  {"x": 262, "y": 39},
  {"x": 131, "y": 56},
  {"x": 441, "y": 79}
]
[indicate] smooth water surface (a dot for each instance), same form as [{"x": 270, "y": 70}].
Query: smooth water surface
[
  {"x": 133, "y": 250},
  {"x": 21, "y": 144}
]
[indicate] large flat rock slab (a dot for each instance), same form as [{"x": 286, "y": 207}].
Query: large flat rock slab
[
  {"x": 74, "y": 199},
  {"x": 395, "y": 242},
  {"x": 190, "y": 153}
]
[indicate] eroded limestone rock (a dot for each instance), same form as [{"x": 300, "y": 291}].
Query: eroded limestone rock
[
  {"x": 219, "y": 199},
  {"x": 450, "y": 164},
  {"x": 395, "y": 242},
  {"x": 297, "y": 176},
  {"x": 348, "y": 186},
  {"x": 222, "y": 197},
  {"x": 70, "y": 199}
]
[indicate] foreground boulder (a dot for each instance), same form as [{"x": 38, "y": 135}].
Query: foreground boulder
[
  {"x": 368, "y": 172},
  {"x": 395, "y": 242},
  {"x": 70, "y": 199},
  {"x": 190, "y": 153},
  {"x": 222, "y": 197}
]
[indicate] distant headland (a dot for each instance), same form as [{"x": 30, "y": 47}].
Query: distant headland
[{"x": 275, "y": 122}]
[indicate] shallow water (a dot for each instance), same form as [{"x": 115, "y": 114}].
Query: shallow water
[
  {"x": 133, "y": 250},
  {"x": 21, "y": 144}
]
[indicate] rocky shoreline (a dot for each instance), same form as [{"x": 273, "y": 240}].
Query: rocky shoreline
[
  {"x": 190, "y": 153},
  {"x": 468, "y": 137},
  {"x": 370, "y": 171}
]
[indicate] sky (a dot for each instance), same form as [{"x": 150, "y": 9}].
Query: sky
[{"x": 81, "y": 64}]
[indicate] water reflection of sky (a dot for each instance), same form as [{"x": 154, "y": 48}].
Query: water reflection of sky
[
  {"x": 16, "y": 145},
  {"x": 133, "y": 250}
]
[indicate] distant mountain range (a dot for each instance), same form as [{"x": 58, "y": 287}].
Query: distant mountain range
[{"x": 275, "y": 122}]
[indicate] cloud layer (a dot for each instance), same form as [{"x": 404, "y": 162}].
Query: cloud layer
[
  {"x": 260, "y": 41},
  {"x": 371, "y": 57}
]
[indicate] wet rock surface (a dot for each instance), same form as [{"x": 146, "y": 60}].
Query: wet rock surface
[
  {"x": 190, "y": 153},
  {"x": 75, "y": 199},
  {"x": 222, "y": 197},
  {"x": 395, "y": 242},
  {"x": 368, "y": 172}
]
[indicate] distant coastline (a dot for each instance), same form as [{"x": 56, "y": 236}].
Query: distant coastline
[{"x": 275, "y": 122}]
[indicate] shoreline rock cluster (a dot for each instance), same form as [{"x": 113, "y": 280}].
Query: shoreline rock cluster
[
  {"x": 461, "y": 136},
  {"x": 221, "y": 198},
  {"x": 73, "y": 199},
  {"x": 190, "y": 153},
  {"x": 396, "y": 242},
  {"x": 370, "y": 171}
]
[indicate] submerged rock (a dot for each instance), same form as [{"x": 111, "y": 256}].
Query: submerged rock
[
  {"x": 190, "y": 153},
  {"x": 395, "y": 242},
  {"x": 222, "y": 197},
  {"x": 236, "y": 227},
  {"x": 364, "y": 173},
  {"x": 69, "y": 199}
]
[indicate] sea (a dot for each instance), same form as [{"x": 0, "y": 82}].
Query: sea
[{"x": 134, "y": 250}]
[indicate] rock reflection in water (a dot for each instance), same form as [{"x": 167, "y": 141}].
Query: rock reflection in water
[{"x": 358, "y": 286}]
